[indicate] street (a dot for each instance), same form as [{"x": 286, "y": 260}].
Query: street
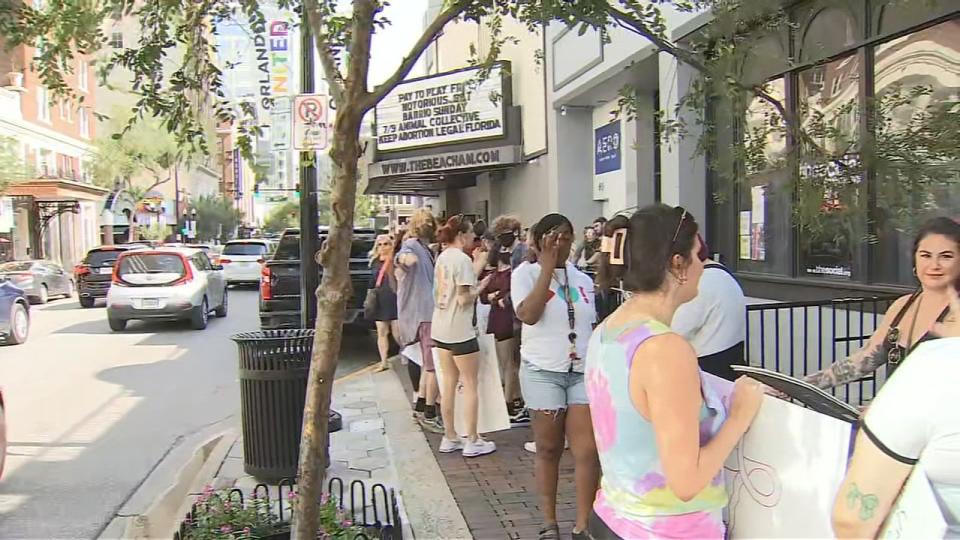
[{"x": 91, "y": 413}]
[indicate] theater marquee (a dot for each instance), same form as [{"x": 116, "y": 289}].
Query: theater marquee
[{"x": 449, "y": 108}]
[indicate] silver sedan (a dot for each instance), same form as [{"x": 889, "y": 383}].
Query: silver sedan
[{"x": 41, "y": 280}]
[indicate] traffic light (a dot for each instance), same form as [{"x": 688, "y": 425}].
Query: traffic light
[
  {"x": 297, "y": 189},
  {"x": 256, "y": 189}
]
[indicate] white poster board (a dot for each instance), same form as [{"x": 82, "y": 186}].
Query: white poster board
[
  {"x": 916, "y": 513},
  {"x": 493, "y": 406},
  {"x": 784, "y": 475}
]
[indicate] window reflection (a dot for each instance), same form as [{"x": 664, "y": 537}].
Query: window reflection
[
  {"x": 917, "y": 108},
  {"x": 828, "y": 209},
  {"x": 764, "y": 227}
]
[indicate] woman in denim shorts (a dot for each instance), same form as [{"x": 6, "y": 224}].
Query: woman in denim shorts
[{"x": 555, "y": 302}]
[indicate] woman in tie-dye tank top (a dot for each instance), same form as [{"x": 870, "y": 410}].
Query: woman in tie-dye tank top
[{"x": 662, "y": 434}]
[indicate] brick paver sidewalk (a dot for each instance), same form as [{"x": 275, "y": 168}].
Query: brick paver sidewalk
[{"x": 497, "y": 493}]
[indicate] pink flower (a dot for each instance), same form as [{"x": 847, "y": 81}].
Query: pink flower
[
  {"x": 324, "y": 498},
  {"x": 227, "y": 506},
  {"x": 226, "y": 529},
  {"x": 601, "y": 410},
  {"x": 292, "y": 495},
  {"x": 208, "y": 490}
]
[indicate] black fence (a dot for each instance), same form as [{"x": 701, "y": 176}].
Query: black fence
[
  {"x": 800, "y": 338},
  {"x": 376, "y": 511}
]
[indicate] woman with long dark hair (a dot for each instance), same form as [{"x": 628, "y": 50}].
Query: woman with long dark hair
[
  {"x": 500, "y": 323},
  {"x": 909, "y": 320},
  {"x": 554, "y": 300},
  {"x": 662, "y": 433}
]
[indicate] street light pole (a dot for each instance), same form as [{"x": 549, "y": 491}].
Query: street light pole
[{"x": 309, "y": 219}]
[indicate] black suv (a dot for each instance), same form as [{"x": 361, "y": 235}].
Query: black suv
[
  {"x": 280, "y": 279},
  {"x": 93, "y": 275}
]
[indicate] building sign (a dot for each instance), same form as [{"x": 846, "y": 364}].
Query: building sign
[
  {"x": 237, "y": 175},
  {"x": 280, "y": 70},
  {"x": 311, "y": 122},
  {"x": 467, "y": 159},
  {"x": 606, "y": 148},
  {"x": 443, "y": 109}
]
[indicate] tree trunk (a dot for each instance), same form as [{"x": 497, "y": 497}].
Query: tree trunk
[{"x": 332, "y": 295}]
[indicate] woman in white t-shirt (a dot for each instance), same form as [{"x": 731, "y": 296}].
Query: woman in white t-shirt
[
  {"x": 555, "y": 302},
  {"x": 455, "y": 337},
  {"x": 913, "y": 421}
]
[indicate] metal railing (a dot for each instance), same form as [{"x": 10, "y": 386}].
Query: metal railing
[
  {"x": 800, "y": 338},
  {"x": 376, "y": 511}
]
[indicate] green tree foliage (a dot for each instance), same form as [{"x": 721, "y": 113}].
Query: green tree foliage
[
  {"x": 215, "y": 214},
  {"x": 12, "y": 167},
  {"x": 282, "y": 217}
]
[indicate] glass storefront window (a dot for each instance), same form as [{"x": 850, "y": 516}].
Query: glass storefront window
[
  {"x": 829, "y": 209},
  {"x": 917, "y": 108},
  {"x": 764, "y": 208}
]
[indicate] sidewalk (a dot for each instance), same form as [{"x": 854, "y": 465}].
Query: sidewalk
[
  {"x": 497, "y": 494},
  {"x": 379, "y": 443}
]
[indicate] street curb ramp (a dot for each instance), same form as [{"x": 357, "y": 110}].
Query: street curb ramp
[{"x": 146, "y": 515}]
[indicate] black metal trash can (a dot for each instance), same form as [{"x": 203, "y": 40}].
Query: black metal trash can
[{"x": 273, "y": 372}]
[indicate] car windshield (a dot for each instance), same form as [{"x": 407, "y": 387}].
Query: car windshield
[
  {"x": 102, "y": 257},
  {"x": 16, "y": 266},
  {"x": 151, "y": 269},
  {"x": 245, "y": 249},
  {"x": 289, "y": 248}
]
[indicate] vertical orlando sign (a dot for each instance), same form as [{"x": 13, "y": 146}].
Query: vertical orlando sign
[{"x": 272, "y": 48}]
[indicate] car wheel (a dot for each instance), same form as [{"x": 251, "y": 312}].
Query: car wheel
[
  {"x": 201, "y": 315},
  {"x": 87, "y": 301},
  {"x": 117, "y": 325},
  {"x": 222, "y": 310},
  {"x": 19, "y": 324},
  {"x": 44, "y": 294}
]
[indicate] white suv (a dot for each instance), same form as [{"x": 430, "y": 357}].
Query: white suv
[
  {"x": 242, "y": 260},
  {"x": 166, "y": 284}
]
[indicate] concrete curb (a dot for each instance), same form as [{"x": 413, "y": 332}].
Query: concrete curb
[
  {"x": 426, "y": 502},
  {"x": 185, "y": 471}
]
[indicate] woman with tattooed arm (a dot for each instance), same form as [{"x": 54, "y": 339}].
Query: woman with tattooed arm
[
  {"x": 910, "y": 423},
  {"x": 910, "y": 319}
]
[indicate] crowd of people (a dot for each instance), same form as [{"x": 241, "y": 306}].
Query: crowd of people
[{"x": 624, "y": 389}]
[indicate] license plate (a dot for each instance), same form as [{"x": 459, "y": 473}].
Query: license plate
[
  {"x": 151, "y": 303},
  {"x": 107, "y": 270}
]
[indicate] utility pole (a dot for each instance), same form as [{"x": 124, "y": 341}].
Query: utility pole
[{"x": 309, "y": 218}]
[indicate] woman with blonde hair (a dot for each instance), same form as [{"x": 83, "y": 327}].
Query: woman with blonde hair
[{"x": 385, "y": 285}]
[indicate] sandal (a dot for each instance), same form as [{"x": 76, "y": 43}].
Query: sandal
[{"x": 549, "y": 532}]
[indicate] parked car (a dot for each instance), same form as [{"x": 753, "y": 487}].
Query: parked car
[
  {"x": 242, "y": 260},
  {"x": 166, "y": 284},
  {"x": 3, "y": 434},
  {"x": 280, "y": 300},
  {"x": 95, "y": 272},
  {"x": 41, "y": 280},
  {"x": 14, "y": 313}
]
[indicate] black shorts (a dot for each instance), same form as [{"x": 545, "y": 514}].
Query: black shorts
[{"x": 459, "y": 349}]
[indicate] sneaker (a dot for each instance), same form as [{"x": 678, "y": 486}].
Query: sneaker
[
  {"x": 478, "y": 447},
  {"x": 520, "y": 418},
  {"x": 532, "y": 446},
  {"x": 433, "y": 425},
  {"x": 447, "y": 446}
]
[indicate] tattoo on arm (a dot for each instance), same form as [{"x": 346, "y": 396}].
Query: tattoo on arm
[
  {"x": 854, "y": 367},
  {"x": 868, "y": 503}
]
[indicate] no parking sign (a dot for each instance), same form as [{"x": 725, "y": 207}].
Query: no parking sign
[{"x": 311, "y": 122}]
